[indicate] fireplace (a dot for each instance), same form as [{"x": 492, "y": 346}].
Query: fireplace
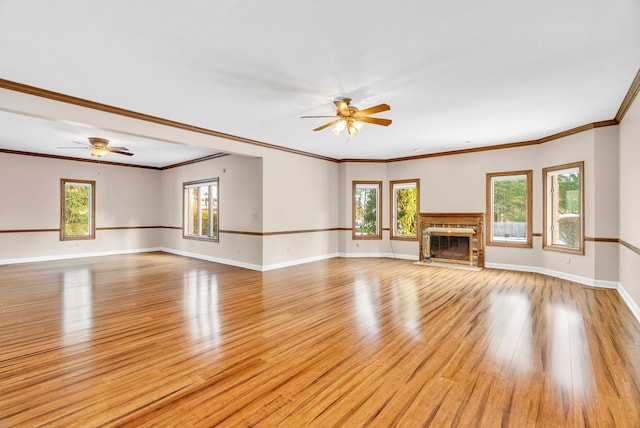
[
  {"x": 452, "y": 238},
  {"x": 449, "y": 245}
]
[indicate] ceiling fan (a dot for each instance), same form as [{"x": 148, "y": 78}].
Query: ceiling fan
[
  {"x": 100, "y": 147},
  {"x": 351, "y": 118}
]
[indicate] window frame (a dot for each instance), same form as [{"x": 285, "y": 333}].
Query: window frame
[
  {"x": 186, "y": 209},
  {"x": 528, "y": 243},
  {"x": 354, "y": 188},
  {"x": 546, "y": 214},
  {"x": 392, "y": 209},
  {"x": 92, "y": 209}
]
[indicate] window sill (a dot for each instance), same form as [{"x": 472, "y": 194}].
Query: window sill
[
  {"x": 404, "y": 238},
  {"x": 561, "y": 249},
  {"x": 200, "y": 238},
  {"x": 509, "y": 244},
  {"x": 365, "y": 238}
]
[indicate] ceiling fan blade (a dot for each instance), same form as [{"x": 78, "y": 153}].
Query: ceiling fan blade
[
  {"x": 343, "y": 108},
  {"x": 69, "y": 147},
  {"x": 326, "y": 125},
  {"x": 82, "y": 143},
  {"x": 124, "y": 149},
  {"x": 311, "y": 117},
  {"x": 372, "y": 110},
  {"x": 375, "y": 120},
  {"x": 119, "y": 152}
]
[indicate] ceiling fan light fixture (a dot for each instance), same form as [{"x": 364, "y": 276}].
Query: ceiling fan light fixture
[
  {"x": 354, "y": 127},
  {"x": 98, "y": 151},
  {"x": 339, "y": 127}
]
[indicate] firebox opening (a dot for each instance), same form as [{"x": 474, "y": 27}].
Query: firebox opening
[{"x": 451, "y": 245}]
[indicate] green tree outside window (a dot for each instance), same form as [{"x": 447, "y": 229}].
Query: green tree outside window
[
  {"x": 78, "y": 200},
  {"x": 404, "y": 206}
]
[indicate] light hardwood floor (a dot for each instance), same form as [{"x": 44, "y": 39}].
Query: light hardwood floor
[{"x": 161, "y": 340}]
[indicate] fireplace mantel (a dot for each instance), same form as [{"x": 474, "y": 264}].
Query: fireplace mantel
[{"x": 473, "y": 221}]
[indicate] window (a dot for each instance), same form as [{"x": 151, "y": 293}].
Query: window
[
  {"x": 201, "y": 209},
  {"x": 405, "y": 198},
  {"x": 563, "y": 219},
  {"x": 367, "y": 206},
  {"x": 509, "y": 208},
  {"x": 77, "y": 209}
]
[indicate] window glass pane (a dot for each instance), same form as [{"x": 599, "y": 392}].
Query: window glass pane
[
  {"x": 565, "y": 202},
  {"x": 192, "y": 201},
  {"x": 509, "y": 208},
  {"x": 77, "y": 199},
  {"x": 203, "y": 210},
  {"x": 405, "y": 207},
  {"x": 77, "y": 209},
  {"x": 366, "y": 206},
  {"x": 213, "y": 220}
]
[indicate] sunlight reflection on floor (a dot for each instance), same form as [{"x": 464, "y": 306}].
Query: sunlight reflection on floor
[
  {"x": 77, "y": 305},
  {"x": 365, "y": 308},
  {"x": 404, "y": 304},
  {"x": 201, "y": 307},
  {"x": 570, "y": 362},
  {"x": 510, "y": 332}
]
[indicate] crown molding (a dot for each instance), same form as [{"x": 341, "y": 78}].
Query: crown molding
[
  {"x": 542, "y": 140},
  {"x": 202, "y": 159},
  {"x": 629, "y": 97},
  {"x": 69, "y": 158}
]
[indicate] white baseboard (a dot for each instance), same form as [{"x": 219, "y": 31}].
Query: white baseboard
[
  {"x": 549, "y": 272},
  {"x": 626, "y": 297},
  {"x": 289, "y": 263},
  {"x": 213, "y": 259},
  {"x": 76, "y": 256},
  {"x": 298, "y": 262},
  {"x": 633, "y": 306}
]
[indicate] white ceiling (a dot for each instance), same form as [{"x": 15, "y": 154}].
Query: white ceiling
[{"x": 457, "y": 74}]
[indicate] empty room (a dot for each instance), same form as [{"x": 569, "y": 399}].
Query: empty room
[{"x": 295, "y": 214}]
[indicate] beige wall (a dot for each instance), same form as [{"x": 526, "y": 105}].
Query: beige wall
[
  {"x": 629, "y": 267},
  {"x": 240, "y": 202},
  {"x": 606, "y": 201},
  {"x": 30, "y": 195},
  {"x": 300, "y": 194}
]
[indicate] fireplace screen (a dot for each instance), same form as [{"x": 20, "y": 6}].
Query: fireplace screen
[{"x": 452, "y": 245}]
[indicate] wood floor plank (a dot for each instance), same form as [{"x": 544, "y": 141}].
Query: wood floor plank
[{"x": 161, "y": 340}]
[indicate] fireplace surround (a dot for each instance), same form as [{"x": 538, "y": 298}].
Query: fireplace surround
[{"x": 454, "y": 238}]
